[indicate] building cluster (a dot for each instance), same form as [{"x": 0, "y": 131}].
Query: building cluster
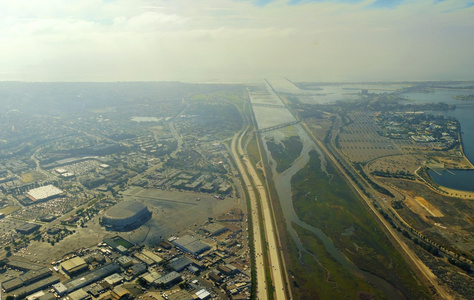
[
  {"x": 210, "y": 264},
  {"x": 187, "y": 180},
  {"x": 421, "y": 128}
]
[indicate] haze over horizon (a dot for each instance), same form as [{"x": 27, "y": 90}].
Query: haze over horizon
[{"x": 236, "y": 41}]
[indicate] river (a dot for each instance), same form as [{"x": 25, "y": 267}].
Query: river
[{"x": 282, "y": 182}]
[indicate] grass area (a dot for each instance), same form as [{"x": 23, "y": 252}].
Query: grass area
[
  {"x": 32, "y": 176},
  {"x": 9, "y": 210},
  {"x": 252, "y": 150},
  {"x": 334, "y": 280},
  {"x": 286, "y": 152},
  {"x": 328, "y": 203}
]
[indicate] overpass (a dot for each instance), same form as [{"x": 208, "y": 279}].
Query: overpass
[
  {"x": 277, "y": 126},
  {"x": 269, "y": 105}
]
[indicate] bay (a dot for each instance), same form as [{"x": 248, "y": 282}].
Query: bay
[{"x": 464, "y": 113}]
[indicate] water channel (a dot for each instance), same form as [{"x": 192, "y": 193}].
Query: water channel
[{"x": 282, "y": 183}]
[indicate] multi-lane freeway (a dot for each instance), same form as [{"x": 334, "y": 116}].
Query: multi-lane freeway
[{"x": 257, "y": 191}]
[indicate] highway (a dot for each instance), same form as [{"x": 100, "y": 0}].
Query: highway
[
  {"x": 236, "y": 147},
  {"x": 256, "y": 191}
]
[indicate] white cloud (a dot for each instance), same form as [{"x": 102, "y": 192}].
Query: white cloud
[{"x": 193, "y": 40}]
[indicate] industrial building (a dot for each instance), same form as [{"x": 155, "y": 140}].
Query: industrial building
[
  {"x": 152, "y": 256},
  {"x": 34, "y": 287},
  {"x": 25, "y": 283},
  {"x": 125, "y": 261},
  {"x": 126, "y": 216},
  {"x": 44, "y": 193},
  {"x": 22, "y": 265},
  {"x": 80, "y": 294},
  {"x": 191, "y": 244},
  {"x": 168, "y": 280},
  {"x": 215, "y": 229},
  {"x": 114, "y": 279},
  {"x": 86, "y": 279},
  {"x": 74, "y": 266},
  {"x": 180, "y": 263},
  {"x": 138, "y": 269},
  {"x": 27, "y": 228},
  {"x": 202, "y": 294}
]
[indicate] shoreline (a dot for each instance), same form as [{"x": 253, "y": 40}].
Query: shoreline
[
  {"x": 457, "y": 193},
  {"x": 461, "y": 145}
]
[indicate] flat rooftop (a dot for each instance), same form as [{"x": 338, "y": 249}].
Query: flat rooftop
[
  {"x": 44, "y": 192},
  {"x": 73, "y": 264}
]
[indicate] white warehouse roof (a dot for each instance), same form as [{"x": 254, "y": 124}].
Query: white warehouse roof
[{"x": 44, "y": 192}]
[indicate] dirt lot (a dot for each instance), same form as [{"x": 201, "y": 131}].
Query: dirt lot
[
  {"x": 397, "y": 163},
  {"x": 446, "y": 220},
  {"x": 173, "y": 212}
]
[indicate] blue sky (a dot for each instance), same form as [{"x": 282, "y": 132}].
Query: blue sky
[{"x": 236, "y": 40}]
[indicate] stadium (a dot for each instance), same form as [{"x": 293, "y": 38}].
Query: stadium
[{"x": 126, "y": 216}]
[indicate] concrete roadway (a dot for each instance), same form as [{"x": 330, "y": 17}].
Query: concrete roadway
[
  {"x": 272, "y": 243},
  {"x": 261, "y": 280}
]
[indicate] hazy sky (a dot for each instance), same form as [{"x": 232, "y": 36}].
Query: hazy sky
[{"x": 231, "y": 41}]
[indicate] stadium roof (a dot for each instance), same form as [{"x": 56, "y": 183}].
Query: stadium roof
[{"x": 125, "y": 209}]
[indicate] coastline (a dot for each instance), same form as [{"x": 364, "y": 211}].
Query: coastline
[
  {"x": 457, "y": 193},
  {"x": 466, "y": 164},
  {"x": 461, "y": 147}
]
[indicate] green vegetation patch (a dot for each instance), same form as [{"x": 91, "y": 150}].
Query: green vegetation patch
[
  {"x": 328, "y": 203},
  {"x": 118, "y": 241},
  {"x": 32, "y": 176},
  {"x": 330, "y": 280},
  {"x": 9, "y": 210},
  {"x": 286, "y": 152}
]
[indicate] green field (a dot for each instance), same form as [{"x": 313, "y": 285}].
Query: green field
[
  {"x": 32, "y": 176},
  {"x": 330, "y": 280},
  {"x": 328, "y": 203},
  {"x": 286, "y": 152},
  {"x": 9, "y": 210}
]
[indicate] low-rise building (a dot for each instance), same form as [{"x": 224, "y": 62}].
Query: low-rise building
[
  {"x": 86, "y": 279},
  {"x": 27, "y": 228},
  {"x": 168, "y": 280},
  {"x": 180, "y": 263},
  {"x": 74, "y": 266},
  {"x": 191, "y": 244}
]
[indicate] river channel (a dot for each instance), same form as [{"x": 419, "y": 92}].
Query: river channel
[{"x": 282, "y": 182}]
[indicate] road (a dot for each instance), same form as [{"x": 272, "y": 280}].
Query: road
[
  {"x": 261, "y": 280},
  {"x": 249, "y": 175}
]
